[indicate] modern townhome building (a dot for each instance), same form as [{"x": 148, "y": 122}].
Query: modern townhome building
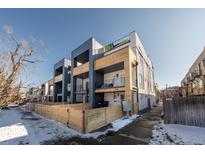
[
  {"x": 194, "y": 82},
  {"x": 33, "y": 94},
  {"x": 108, "y": 75},
  {"x": 49, "y": 91},
  {"x": 41, "y": 93},
  {"x": 61, "y": 81}
]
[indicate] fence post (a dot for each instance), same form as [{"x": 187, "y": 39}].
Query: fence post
[
  {"x": 105, "y": 115},
  {"x": 84, "y": 121},
  {"x": 164, "y": 112},
  {"x": 68, "y": 111}
]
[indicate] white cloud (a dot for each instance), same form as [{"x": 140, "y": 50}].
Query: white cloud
[{"x": 8, "y": 29}]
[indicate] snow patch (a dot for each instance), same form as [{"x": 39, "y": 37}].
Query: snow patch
[
  {"x": 12, "y": 131},
  {"x": 17, "y": 127},
  {"x": 116, "y": 125},
  {"x": 177, "y": 134}
]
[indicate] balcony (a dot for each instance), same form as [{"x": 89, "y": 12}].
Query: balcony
[
  {"x": 50, "y": 82},
  {"x": 81, "y": 69},
  {"x": 198, "y": 91},
  {"x": 194, "y": 74},
  {"x": 81, "y": 90},
  {"x": 112, "y": 85},
  {"x": 190, "y": 78},
  {"x": 58, "y": 78}
]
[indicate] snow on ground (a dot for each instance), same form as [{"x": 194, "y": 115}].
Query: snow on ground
[
  {"x": 19, "y": 126},
  {"x": 178, "y": 134},
  {"x": 116, "y": 125}
]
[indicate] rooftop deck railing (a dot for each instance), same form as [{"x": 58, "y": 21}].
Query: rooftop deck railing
[{"x": 120, "y": 42}]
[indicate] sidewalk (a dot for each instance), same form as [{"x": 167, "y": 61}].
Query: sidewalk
[{"x": 138, "y": 132}]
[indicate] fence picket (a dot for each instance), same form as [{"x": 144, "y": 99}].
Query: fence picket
[{"x": 185, "y": 110}]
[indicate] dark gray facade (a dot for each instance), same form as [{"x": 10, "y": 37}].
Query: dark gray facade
[
  {"x": 61, "y": 80},
  {"x": 84, "y": 53}
]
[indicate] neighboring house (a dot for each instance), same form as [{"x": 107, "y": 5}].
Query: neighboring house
[
  {"x": 45, "y": 91},
  {"x": 34, "y": 94},
  {"x": 108, "y": 75},
  {"x": 56, "y": 89},
  {"x": 49, "y": 91},
  {"x": 193, "y": 83},
  {"x": 61, "y": 81},
  {"x": 170, "y": 92}
]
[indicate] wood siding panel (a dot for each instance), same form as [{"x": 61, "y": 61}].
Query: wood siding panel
[
  {"x": 58, "y": 78},
  {"x": 81, "y": 69},
  {"x": 111, "y": 59}
]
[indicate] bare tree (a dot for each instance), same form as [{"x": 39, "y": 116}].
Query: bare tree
[{"x": 15, "y": 54}]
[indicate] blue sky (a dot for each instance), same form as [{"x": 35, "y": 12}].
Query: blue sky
[{"x": 172, "y": 37}]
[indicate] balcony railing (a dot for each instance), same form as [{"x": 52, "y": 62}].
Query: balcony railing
[
  {"x": 58, "y": 78},
  {"x": 81, "y": 69},
  {"x": 112, "y": 83},
  {"x": 198, "y": 91},
  {"x": 81, "y": 89},
  {"x": 115, "y": 44}
]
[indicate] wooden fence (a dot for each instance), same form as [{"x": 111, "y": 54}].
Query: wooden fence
[
  {"x": 185, "y": 110},
  {"x": 57, "y": 112},
  {"x": 78, "y": 116},
  {"x": 96, "y": 118},
  {"x": 69, "y": 114}
]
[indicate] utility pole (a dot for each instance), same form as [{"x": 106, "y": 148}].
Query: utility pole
[{"x": 166, "y": 91}]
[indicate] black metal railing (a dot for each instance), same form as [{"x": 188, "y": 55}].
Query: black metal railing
[
  {"x": 112, "y": 83},
  {"x": 81, "y": 89}
]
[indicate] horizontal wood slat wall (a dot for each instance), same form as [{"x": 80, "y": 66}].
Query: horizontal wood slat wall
[{"x": 81, "y": 69}]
